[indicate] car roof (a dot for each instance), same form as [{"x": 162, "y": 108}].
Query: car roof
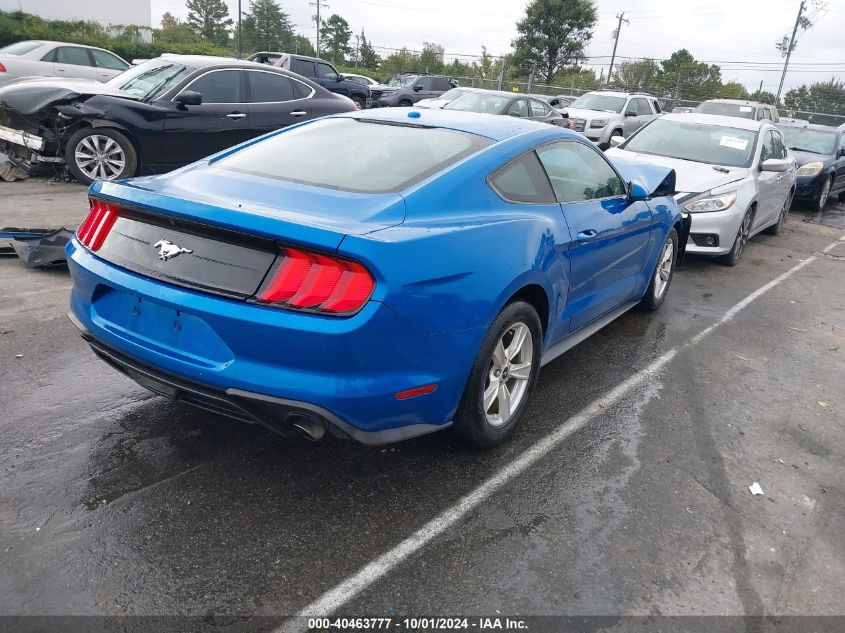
[
  {"x": 55, "y": 43},
  {"x": 716, "y": 119},
  {"x": 493, "y": 126},
  {"x": 202, "y": 61},
  {"x": 740, "y": 102},
  {"x": 505, "y": 93}
]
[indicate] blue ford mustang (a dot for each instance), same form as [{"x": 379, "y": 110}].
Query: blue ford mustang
[{"x": 376, "y": 275}]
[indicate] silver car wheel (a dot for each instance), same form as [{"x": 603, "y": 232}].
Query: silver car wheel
[
  {"x": 100, "y": 157},
  {"x": 508, "y": 375},
  {"x": 664, "y": 269},
  {"x": 743, "y": 235}
]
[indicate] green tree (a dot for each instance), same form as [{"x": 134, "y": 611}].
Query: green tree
[
  {"x": 764, "y": 96},
  {"x": 368, "y": 57},
  {"x": 682, "y": 77},
  {"x": 733, "y": 90},
  {"x": 826, "y": 97},
  {"x": 169, "y": 21},
  {"x": 334, "y": 37},
  {"x": 402, "y": 61},
  {"x": 430, "y": 60},
  {"x": 554, "y": 34},
  {"x": 303, "y": 46},
  {"x": 266, "y": 27},
  {"x": 210, "y": 18},
  {"x": 637, "y": 75}
]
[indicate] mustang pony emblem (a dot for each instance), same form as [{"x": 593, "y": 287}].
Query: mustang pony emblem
[{"x": 167, "y": 249}]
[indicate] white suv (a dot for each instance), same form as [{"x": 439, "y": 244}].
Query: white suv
[{"x": 602, "y": 114}]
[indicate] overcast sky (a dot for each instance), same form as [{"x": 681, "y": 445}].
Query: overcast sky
[{"x": 739, "y": 31}]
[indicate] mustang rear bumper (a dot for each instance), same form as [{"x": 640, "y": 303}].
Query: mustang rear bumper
[{"x": 263, "y": 364}]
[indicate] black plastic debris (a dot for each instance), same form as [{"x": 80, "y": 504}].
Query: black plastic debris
[{"x": 39, "y": 250}]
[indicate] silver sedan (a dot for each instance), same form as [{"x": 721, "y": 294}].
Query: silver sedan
[
  {"x": 40, "y": 58},
  {"x": 734, "y": 176}
]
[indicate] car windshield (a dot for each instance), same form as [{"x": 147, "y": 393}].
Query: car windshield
[
  {"x": 150, "y": 79},
  {"x": 802, "y": 139},
  {"x": 686, "y": 140},
  {"x": 603, "y": 103},
  {"x": 478, "y": 102},
  {"x": 401, "y": 81},
  {"x": 449, "y": 95},
  {"x": 366, "y": 156},
  {"x": 726, "y": 109},
  {"x": 21, "y": 48}
]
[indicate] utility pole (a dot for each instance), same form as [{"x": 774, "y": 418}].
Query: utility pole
[
  {"x": 319, "y": 4},
  {"x": 791, "y": 45},
  {"x": 240, "y": 31},
  {"x": 621, "y": 18}
]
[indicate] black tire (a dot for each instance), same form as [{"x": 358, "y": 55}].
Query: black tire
[
  {"x": 359, "y": 101},
  {"x": 777, "y": 227},
  {"x": 740, "y": 241},
  {"x": 824, "y": 196},
  {"x": 94, "y": 137},
  {"x": 406, "y": 103},
  {"x": 656, "y": 293},
  {"x": 471, "y": 420}
]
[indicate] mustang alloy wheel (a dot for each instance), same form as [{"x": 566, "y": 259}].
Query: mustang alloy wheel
[
  {"x": 507, "y": 378},
  {"x": 664, "y": 271},
  {"x": 502, "y": 377},
  {"x": 100, "y": 154}
]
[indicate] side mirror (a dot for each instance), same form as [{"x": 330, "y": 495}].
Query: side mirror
[
  {"x": 630, "y": 113},
  {"x": 616, "y": 141},
  {"x": 189, "y": 98},
  {"x": 417, "y": 88},
  {"x": 841, "y": 152},
  {"x": 340, "y": 77},
  {"x": 515, "y": 113},
  {"x": 636, "y": 192},
  {"x": 775, "y": 164}
]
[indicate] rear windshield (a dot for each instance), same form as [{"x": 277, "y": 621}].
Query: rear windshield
[
  {"x": 21, "y": 48},
  {"x": 727, "y": 109},
  {"x": 713, "y": 144},
  {"x": 355, "y": 155},
  {"x": 603, "y": 103}
]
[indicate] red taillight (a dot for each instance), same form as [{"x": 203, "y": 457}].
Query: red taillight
[
  {"x": 95, "y": 228},
  {"x": 313, "y": 281},
  {"x": 2, "y": 68}
]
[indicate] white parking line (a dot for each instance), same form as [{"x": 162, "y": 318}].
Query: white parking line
[{"x": 335, "y": 598}]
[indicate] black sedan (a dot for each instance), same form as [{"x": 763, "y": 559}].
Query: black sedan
[
  {"x": 820, "y": 153},
  {"x": 507, "y": 103},
  {"x": 157, "y": 116}
]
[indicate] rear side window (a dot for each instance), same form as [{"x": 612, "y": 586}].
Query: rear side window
[
  {"x": 304, "y": 67},
  {"x": 222, "y": 86},
  {"x": 102, "y": 59},
  {"x": 656, "y": 105},
  {"x": 523, "y": 180},
  {"x": 538, "y": 108},
  {"x": 72, "y": 55},
  {"x": 425, "y": 83},
  {"x": 579, "y": 173},
  {"x": 367, "y": 156},
  {"x": 269, "y": 87},
  {"x": 441, "y": 83}
]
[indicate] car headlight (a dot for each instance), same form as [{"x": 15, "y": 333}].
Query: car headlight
[
  {"x": 598, "y": 123},
  {"x": 722, "y": 202},
  {"x": 810, "y": 169}
]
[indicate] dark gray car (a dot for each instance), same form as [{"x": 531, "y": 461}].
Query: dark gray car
[
  {"x": 507, "y": 103},
  {"x": 406, "y": 89}
]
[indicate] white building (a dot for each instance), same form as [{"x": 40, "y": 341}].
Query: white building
[{"x": 122, "y": 12}]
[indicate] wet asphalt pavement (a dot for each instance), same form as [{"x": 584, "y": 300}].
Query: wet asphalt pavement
[{"x": 115, "y": 501}]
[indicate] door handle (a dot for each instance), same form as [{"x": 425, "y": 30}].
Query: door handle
[
  {"x": 586, "y": 236},
  {"x": 236, "y": 115},
  {"x": 298, "y": 113}
]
